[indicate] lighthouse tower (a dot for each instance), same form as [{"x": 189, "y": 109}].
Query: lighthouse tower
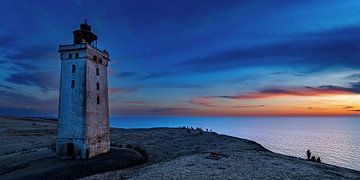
[{"x": 83, "y": 127}]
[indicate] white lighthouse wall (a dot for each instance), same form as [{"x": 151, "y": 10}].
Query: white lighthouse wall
[
  {"x": 72, "y": 105},
  {"x": 82, "y": 121},
  {"x": 97, "y": 115}
]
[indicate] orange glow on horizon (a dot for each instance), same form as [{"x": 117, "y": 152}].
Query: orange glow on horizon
[
  {"x": 295, "y": 92},
  {"x": 324, "y": 101}
]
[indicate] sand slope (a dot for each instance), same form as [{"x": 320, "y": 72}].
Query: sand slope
[
  {"x": 190, "y": 154},
  {"x": 174, "y": 153},
  {"x": 27, "y": 152}
]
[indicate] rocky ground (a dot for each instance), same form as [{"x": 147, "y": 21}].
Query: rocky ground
[{"x": 27, "y": 148}]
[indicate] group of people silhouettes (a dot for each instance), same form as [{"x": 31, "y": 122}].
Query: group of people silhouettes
[{"x": 312, "y": 158}]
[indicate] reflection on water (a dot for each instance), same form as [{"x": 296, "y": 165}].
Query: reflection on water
[{"x": 335, "y": 139}]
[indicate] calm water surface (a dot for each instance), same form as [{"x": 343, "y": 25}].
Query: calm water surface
[{"x": 335, "y": 139}]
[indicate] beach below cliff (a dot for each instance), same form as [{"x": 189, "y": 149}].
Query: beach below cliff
[{"x": 27, "y": 149}]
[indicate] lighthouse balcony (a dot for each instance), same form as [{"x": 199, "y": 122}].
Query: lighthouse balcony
[
  {"x": 83, "y": 46},
  {"x": 72, "y": 47}
]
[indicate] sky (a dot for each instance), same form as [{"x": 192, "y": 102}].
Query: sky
[{"x": 190, "y": 58}]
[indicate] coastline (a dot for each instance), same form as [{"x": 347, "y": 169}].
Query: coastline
[{"x": 173, "y": 153}]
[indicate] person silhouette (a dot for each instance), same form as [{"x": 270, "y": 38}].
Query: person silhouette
[
  {"x": 308, "y": 153},
  {"x": 318, "y": 160},
  {"x": 313, "y": 158}
]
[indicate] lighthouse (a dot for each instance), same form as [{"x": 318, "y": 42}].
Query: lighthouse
[{"x": 83, "y": 126}]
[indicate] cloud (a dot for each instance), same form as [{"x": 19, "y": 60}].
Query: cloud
[
  {"x": 353, "y": 77},
  {"x": 348, "y": 107},
  {"x": 14, "y": 100},
  {"x": 167, "y": 109},
  {"x": 142, "y": 103},
  {"x": 355, "y": 86},
  {"x": 173, "y": 86},
  {"x": 316, "y": 51},
  {"x": 206, "y": 102},
  {"x": 28, "y": 57},
  {"x": 179, "y": 86},
  {"x": 125, "y": 74},
  {"x": 155, "y": 75},
  {"x": 304, "y": 91},
  {"x": 151, "y": 110},
  {"x": 8, "y": 41},
  {"x": 356, "y": 110},
  {"x": 316, "y": 108},
  {"x": 146, "y": 76},
  {"x": 45, "y": 80},
  {"x": 116, "y": 90},
  {"x": 6, "y": 87}
]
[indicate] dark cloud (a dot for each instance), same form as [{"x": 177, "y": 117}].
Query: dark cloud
[
  {"x": 116, "y": 90},
  {"x": 151, "y": 110},
  {"x": 14, "y": 51},
  {"x": 168, "y": 109},
  {"x": 172, "y": 86},
  {"x": 155, "y": 75},
  {"x": 348, "y": 107},
  {"x": 6, "y": 87},
  {"x": 355, "y": 86},
  {"x": 316, "y": 108},
  {"x": 8, "y": 111},
  {"x": 139, "y": 76},
  {"x": 353, "y": 77},
  {"x": 142, "y": 103},
  {"x": 29, "y": 58},
  {"x": 8, "y": 40},
  {"x": 303, "y": 91},
  {"x": 207, "y": 103},
  {"x": 356, "y": 110},
  {"x": 12, "y": 101},
  {"x": 179, "y": 86},
  {"x": 45, "y": 80},
  {"x": 125, "y": 74},
  {"x": 315, "y": 51}
]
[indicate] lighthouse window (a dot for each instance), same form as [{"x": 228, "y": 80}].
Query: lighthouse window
[
  {"x": 73, "y": 68},
  {"x": 100, "y": 60},
  {"x": 97, "y": 71},
  {"x": 94, "y": 58},
  {"x": 72, "y": 83},
  {"x": 97, "y": 100},
  {"x": 97, "y": 86},
  {"x": 70, "y": 56},
  {"x": 77, "y": 55}
]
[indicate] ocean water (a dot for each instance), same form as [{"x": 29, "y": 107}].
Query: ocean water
[{"x": 335, "y": 139}]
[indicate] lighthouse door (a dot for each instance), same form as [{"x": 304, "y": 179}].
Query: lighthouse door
[{"x": 70, "y": 149}]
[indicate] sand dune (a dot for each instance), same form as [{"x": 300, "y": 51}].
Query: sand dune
[{"x": 174, "y": 153}]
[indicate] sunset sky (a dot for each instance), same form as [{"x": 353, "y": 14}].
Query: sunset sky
[{"x": 190, "y": 58}]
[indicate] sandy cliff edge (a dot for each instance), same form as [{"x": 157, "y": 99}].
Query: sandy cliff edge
[{"x": 173, "y": 153}]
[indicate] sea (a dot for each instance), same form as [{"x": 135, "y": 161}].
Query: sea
[{"x": 336, "y": 140}]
